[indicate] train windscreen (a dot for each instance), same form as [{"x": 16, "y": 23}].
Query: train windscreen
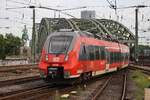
[{"x": 59, "y": 44}]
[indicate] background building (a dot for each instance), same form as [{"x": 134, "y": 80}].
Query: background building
[{"x": 88, "y": 14}]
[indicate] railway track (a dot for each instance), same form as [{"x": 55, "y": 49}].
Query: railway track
[
  {"x": 20, "y": 95},
  {"x": 37, "y": 93},
  {"x": 27, "y": 87},
  {"x": 17, "y": 67},
  {"x": 67, "y": 90},
  {"x": 19, "y": 81},
  {"x": 100, "y": 89},
  {"x": 53, "y": 93},
  {"x": 145, "y": 69},
  {"x": 100, "y": 93},
  {"x": 49, "y": 91}
]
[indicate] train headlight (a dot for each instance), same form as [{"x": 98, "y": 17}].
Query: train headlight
[
  {"x": 46, "y": 57},
  {"x": 66, "y": 74}
]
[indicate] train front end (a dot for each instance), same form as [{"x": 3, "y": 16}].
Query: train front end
[{"x": 58, "y": 58}]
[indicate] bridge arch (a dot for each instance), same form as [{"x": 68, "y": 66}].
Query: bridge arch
[{"x": 99, "y": 27}]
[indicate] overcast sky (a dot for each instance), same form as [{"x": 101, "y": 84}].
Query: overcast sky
[{"x": 20, "y": 17}]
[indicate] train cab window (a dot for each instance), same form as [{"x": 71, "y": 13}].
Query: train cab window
[
  {"x": 83, "y": 54},
  {"x": 59, "y": 44},
  {"x": 97, "y": 52},
  {"x": 91, "y": 52}
]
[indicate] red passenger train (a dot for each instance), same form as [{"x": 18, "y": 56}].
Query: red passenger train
[{"x": 74, "y": 54}]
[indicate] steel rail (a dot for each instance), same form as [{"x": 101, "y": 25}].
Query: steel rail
[
  {"x": 17, "y": 68},
  {"x": 37, "y": 92},
  {"x": 21, "y": 93},
  {"x": 19, "y": 80},
  {"x": 50, "y": 93},
  {"x": 141, "y": 68},
  {"x": 19, "y": 65},
  {"x": 10, "y": 68},
  {"x": 124, "y": 86},
  {"x": 101, "y": 89}
]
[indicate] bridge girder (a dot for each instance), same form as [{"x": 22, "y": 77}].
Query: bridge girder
[
  {"x": 118, "y": 29},
  {"x": 101, "y": 27}
]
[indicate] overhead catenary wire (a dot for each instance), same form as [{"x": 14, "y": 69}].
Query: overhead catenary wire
[
  {"x": 135, "y": 6},
  {"x": 109, "y": 2},
  {"x": 48, "y": 8},
  {"x": 113, "y": 6},
  {"x": 76, "y": 8},
  {"x": 21, "y": 22},
  {"x": 23, "y": 3}
]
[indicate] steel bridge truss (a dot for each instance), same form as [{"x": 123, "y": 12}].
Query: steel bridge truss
[{"x": 101, "y": 28}]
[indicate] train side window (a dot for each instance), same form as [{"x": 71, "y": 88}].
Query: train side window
[
  {"x": 82, "y": 54},
  {"x": 117, "y": 56},
  {"x": 108, "y": 56},
  {"x": 97, "y": 52},
  {"x": 116, "y": 59},
  {"x": 114, "y": 56},
  {"x": 111, "y": 57},
  {"x": 102, "y": 53},
  {"x": 91, "y": 52},
  {"x": 121, "y": 57},
  {"x": 124, "y": 56},
  {"x": 128, "y": 55}
]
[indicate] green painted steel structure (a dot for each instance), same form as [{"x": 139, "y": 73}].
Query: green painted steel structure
[{"x": 101, "y": 28}]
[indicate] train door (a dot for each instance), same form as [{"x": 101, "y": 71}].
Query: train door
[{"x": 107, "y": 54}]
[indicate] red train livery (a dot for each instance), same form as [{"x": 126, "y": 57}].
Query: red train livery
[{"x": 74, "y": 54}]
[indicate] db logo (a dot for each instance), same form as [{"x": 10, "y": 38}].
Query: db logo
[{"x": 56, "y": 59}]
